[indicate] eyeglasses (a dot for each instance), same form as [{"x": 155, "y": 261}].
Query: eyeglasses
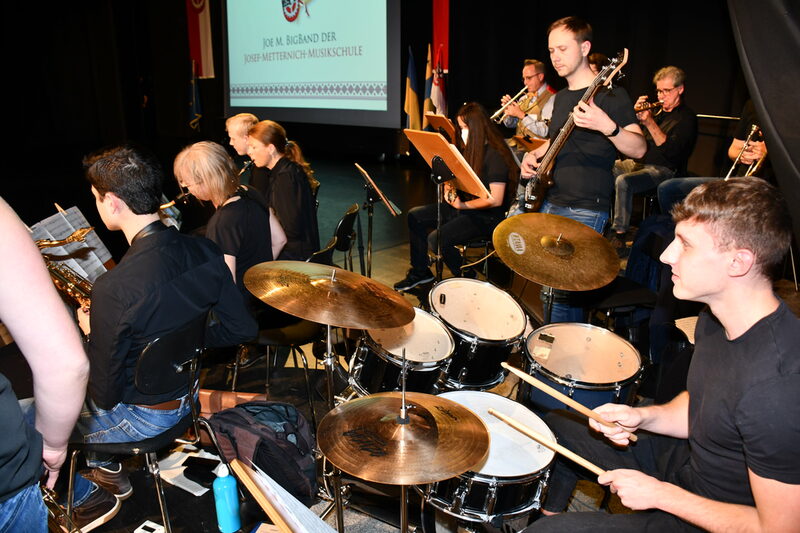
[{"x": 665, "y": 91}]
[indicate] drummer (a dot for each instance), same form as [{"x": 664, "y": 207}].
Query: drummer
[{"x": 724, "y": 454}]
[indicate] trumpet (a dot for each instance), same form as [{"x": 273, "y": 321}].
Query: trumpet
[
  {"x": 499, "y": 115},
  {"x": 645, "y": 106},
  {"x": 755, "y": 165},
  {"x": 67, "y": 281}
]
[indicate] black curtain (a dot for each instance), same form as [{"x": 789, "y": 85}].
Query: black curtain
[{"x": 768, "y": 40}]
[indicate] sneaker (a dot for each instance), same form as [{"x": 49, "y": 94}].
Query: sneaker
[
  {"x": 100, "y": 508},
  {"x": 114, "y": 480},
  {"x": 413, "y": 279}
]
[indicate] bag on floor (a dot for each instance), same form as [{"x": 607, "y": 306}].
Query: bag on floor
[{"x": 275, "y": 437}]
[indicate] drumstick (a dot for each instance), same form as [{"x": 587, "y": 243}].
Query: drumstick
[
  {"x": 564, "y": 399},
  {"x": 541, "y": 439}
]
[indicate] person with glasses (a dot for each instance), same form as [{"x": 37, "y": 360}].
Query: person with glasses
[{"x": 671, "y": 133}]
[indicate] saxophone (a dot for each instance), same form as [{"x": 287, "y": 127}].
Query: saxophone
[{"x": 67, "y": 281}]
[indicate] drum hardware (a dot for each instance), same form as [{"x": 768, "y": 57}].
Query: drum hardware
[
  {"x": 509, "y": 483},
  {"x": 334, "y": 297},
  {"x": 585, "y": 363},
  {"x": 487, "y": 325},
  {"x": 384, "y": 439},
  {"x": 565, "y": 399},
  {"x": 550, "y": 443}
]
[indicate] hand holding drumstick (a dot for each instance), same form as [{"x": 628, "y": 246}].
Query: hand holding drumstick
[{"x": 605, "y": 420}]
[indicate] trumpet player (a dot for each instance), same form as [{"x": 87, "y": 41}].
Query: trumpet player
[
  {"x": 670, "y": 134},
  {"x": 530, "y": 114}
]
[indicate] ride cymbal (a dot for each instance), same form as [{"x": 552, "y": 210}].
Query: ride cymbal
[
  {"x": 328, "y": 295},
  {"x": 555, "y": 251},
  {"x": 364, "y": 438}
]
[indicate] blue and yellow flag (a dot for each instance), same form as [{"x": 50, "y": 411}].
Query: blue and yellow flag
[
  {"x": 412, "y": 100},
  {"x": 427, "y": 105}
]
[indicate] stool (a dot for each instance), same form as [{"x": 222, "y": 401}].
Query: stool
[{"x": 487, "y": 246}]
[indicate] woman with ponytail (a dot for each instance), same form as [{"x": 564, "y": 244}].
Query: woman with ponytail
[{"x": 288, "y": 184}]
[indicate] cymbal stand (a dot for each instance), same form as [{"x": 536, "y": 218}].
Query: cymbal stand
[
  {"x": 547, "y": 304},
  {"x": 440, "y": 174},
  {"x": 336, "y": 476}
]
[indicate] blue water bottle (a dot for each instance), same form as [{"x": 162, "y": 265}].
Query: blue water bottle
[{"x": 226, "y": 498}]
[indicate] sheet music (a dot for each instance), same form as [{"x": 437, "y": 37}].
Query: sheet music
[
  {"x": 85, "y": 258},
  {"x": 297, "y": 516}
]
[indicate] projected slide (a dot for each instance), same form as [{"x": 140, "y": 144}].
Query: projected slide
[{"x": 310, "y": 54}]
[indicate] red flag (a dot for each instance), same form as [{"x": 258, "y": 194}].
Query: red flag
[{"x": 199, "y": 24}]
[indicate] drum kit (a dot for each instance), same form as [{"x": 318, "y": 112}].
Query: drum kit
[{"x": 419, "y": 414}]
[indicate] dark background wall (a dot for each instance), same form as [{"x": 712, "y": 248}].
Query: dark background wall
[{"x": 88, "y": 74}]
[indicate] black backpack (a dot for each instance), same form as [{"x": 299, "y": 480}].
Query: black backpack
[{"x": 275, "y": 437}]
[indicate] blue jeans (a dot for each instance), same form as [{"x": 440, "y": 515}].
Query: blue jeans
[
  {"x": 121, "y": 423},
  {"x": 24, "y": 512},
  {"x": 675, "y": 190},
  {"x": 563, "y": 312}
]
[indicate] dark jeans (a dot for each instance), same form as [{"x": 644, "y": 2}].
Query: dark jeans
[
  {"x": 632, "y": 178},
  {"x": 675, "y": 190},
  {"x": 458, "y": 227},
  {"x": 662, "y": 457}
]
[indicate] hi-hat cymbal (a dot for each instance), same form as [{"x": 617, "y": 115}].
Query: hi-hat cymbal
[
  {"x": 442, "y": 439},
  {"x": 328, "y": 295},
  {"x": 556, "y": 251}
]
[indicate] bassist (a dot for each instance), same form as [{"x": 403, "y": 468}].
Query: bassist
[{"x": 582, "y": 172}]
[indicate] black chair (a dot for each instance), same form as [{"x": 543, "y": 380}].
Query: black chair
[
  {"x": 342, "y": 241},
  {"x": 166, "y": 364}
]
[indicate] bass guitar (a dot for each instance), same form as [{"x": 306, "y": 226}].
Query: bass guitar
[{"x": 537, "y": 186}]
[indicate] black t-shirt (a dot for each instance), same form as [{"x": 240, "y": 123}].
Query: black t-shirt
[
  {"x": 747, "y": 119},
  {"x": 582, "y": 173},
  {"x": 680, "y": 127},
  {"x": 20, "y": 446},
  {"x": 241, "y": 228},
  {"x": 744, "y": 409},
  {"x": 494, "y": 170}
]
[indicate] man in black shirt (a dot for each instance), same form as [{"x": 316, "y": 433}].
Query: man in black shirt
[
  {"x": 583, "y": 181},
  {"x": 670, "y": 134},
  {"x": 724, "y": 454},
  {"x": 165, "y": 280}
]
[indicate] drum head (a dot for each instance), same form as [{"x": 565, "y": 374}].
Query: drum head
[
  {"x": 479, "y": 308},
  {"x": 425, "y": 339},
  {"x": 511, "y": 454},
  {"x": 584, "y": 353}
]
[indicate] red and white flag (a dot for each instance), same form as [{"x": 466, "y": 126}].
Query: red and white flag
[{"x": 198, "y": 19}]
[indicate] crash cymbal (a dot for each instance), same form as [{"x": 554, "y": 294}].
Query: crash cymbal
[
  {"x": 442, "y": 439},
  {"x": 556, "y": 251},
  {"x": 328, "y": 295}
]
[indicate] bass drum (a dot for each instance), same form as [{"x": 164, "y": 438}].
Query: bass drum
[
  {"x": 512, "y": 480},
  {"x": 588, "y": 363},
  {"x": 487, "y": 325},
  {"x": 376, "y": 366}
]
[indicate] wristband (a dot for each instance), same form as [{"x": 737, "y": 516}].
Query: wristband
[{"x": 615, "y": 132}]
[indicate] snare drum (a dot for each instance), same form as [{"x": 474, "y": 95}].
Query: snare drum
[
  {"x": 512, "y": 480},
  {"x": 487, "y": 325},
  {"x": 376, "y": 365},
  {"x": 588, "y": 363}
]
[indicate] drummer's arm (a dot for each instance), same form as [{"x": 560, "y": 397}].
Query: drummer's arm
[{"x": 671, "y": 419}]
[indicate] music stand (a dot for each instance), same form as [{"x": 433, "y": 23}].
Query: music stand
[
  {"x": 446, "y": 164},
  {"x": 442, "y": 125},
  {"x": 373, "y": 194}
]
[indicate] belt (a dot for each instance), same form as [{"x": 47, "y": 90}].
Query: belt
[{"x": 163, "y": 406}]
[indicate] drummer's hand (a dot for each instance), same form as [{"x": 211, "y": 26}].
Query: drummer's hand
[
  {"x": 627, "y": 421},
  {"x": 636, "y": 490}
]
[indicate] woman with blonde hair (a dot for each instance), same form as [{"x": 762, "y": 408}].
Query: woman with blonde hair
[
  {"x": 242, "y": 226},
  {"x": 287, "y": 182}
]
